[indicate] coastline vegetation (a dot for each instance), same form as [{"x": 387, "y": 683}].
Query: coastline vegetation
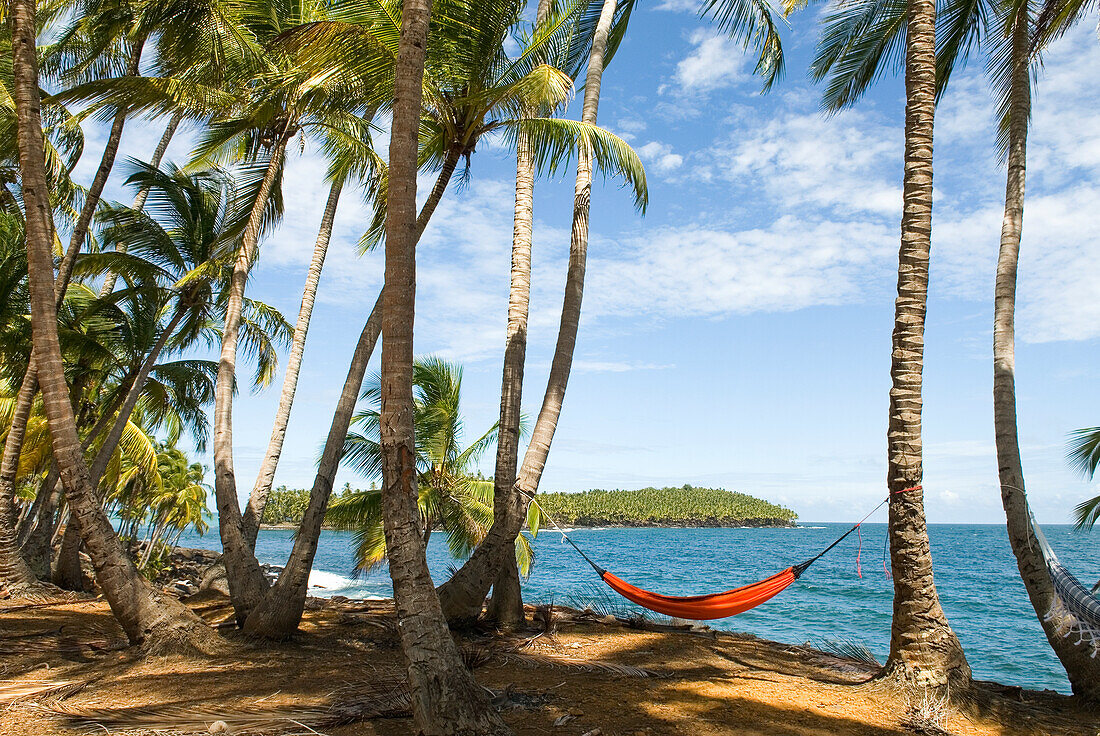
[{"x": 684, "y": 506}]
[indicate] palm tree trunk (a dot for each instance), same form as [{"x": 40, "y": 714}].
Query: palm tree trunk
[
  {"x": 277, "y": 617},
  {"x": 1081, "y": 667},
  {"x": 66, "y": 572},
  {"x": 445, "y": 698},
  {"x": 923, "y": 648},
  {"x": 15, "y": 573},
  {"x": 11, "y": 569},
  {"x": 506, "y": 605},
  {"x": 139, "y": 200},
  {"x": 254, "y": 511},
  {"x": 246, "y": 581},
  {"x": 463, "y": 595},
  {"x": 278, "y": 614},
  {"x": 36, "y": 547},
  {"x": 144, "y": 614}
]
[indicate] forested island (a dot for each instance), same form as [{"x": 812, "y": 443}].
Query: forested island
[
  {"x": 683, "y": 506},
  {"x": 686, "y": 505}
]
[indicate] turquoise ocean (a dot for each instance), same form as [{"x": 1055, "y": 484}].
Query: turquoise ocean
[{"x": 975, "y": 573}]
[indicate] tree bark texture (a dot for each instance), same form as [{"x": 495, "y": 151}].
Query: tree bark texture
[
  {"x": 247, "y": 585},
  {"x": 145, "y": 614},
  {"x": 924, "y": 650},
  {"x": 445, "y": 698}
]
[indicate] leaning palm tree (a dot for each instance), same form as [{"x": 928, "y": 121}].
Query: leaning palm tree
[
  {"x": 1012, "y": 63},
  {"x": 450, "y": 499},
  {"x": 593, "y": 44},
  {"x": 858, "y": 41},
  {"x": 145, "y": 614}
]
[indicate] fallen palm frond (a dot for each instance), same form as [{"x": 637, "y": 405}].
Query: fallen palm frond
[
  {"x": 47, "y": 598},
  {"x": 848, "y": 649},
  {"x": 14, "y": 691},
  {"x": 527, "y": 659},
  {"x": 387, "y": 697}
]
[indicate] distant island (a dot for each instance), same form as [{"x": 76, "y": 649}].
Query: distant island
[
  {"x": 665, "y": 507},
  {"x": 686, "y": 505}
]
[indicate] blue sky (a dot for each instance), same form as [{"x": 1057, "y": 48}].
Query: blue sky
[{"x": 738, "y": 335}]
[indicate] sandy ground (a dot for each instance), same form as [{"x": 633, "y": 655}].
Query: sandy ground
[{"x": 64, "y": 670}]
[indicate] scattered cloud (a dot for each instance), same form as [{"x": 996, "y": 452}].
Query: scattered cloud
[
  {"x": 661, "y": 156},
  {"x": 715, "y": 62},
  {"x": 678, "y": 5}
]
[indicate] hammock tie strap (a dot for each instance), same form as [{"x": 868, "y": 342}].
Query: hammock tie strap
[{"x": 801, "y": 567}]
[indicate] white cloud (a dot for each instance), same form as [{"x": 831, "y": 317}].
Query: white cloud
[
  {"x": 679, "y": 5},
  {"x": 615, "y": 366},
  {"x": 678, "y": 272},
  {"x": 849, "y": 162},
  {"x": 661, "y": 156},
  {"x": 714, "y": 63}
]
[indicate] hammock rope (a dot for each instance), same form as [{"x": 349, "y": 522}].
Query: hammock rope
[{"x": 713, "y": 605}]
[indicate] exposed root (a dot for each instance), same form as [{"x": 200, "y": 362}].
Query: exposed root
[{"x": 928, "y": 714}]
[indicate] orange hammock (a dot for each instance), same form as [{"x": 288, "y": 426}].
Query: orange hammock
[
  {"x": 705, "y": 607},
  {"x": 713, "y": 605}
]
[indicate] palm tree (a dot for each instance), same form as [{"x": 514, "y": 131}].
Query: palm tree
[
  {"x": 596, "y": 40},
  {"x": 179, "y": 502},
  {"x": 445, "y": 698},
  {"x": 144, "y": 613},
  {"x": 450, "y": 498},
  {"x": 857, "y": 41},
  {"x": 266, "y": 475},
  {"x": 1014, "y": 85},
  {"x": 470, "y": 99}
]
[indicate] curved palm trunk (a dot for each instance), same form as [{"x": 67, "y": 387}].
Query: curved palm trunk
[
  {"x": 506, "y": 605},
  {"x": 144, "y": 614},
  {"x": 15, "y": 573},
  {"x": 10, "y": 568},
  {"x": 258, "y": 498},
  {"x": 277, "y": 617},
  {"x": 246, "y": 581},
  {"x": 1081, "y": 667},
  {"x": 923, "y": 648},
  {"x": 463, "y": 595},
  {"x": 445, "y": 698},
  {"x": 139, "y": 200},
  {"x": 281, "y": 610}
]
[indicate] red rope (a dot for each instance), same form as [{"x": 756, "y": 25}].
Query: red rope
[
  {"x": 886, "y": 541},
  {"x": 859, "y": 533}
]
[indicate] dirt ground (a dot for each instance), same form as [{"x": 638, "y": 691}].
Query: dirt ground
[{"x": 64, "y": 669}]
